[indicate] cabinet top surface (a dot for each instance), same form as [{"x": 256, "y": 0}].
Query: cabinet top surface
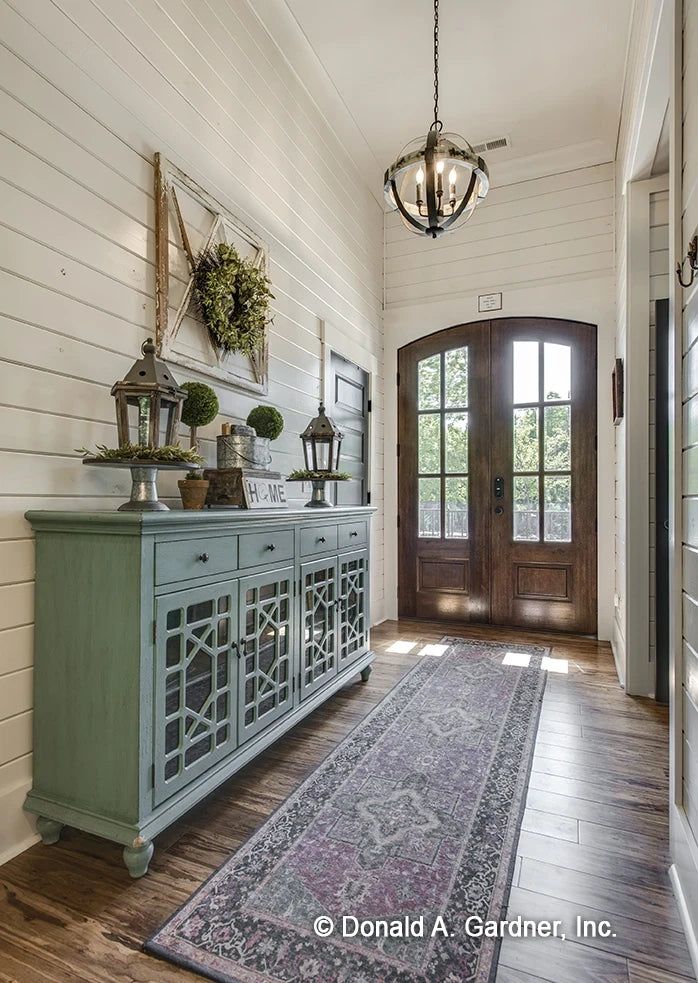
[{"x": 234, "y": 520}]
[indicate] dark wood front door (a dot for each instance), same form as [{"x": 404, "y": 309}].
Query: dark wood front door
[{"x": 497, "y": 475}]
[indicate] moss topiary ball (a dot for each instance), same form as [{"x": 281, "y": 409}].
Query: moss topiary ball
[
  {"x": 201, "y": 405},
  {"x": 266, "y": 421}
]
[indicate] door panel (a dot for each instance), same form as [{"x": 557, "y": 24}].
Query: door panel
[
  {"x": 266, "y": 630},
  {"x": 349, "y": 409},
  {"x": 195, "y": 684},
  {"x": 443, "y": 447},
  {"x": 543, "y": 447},
  {"x": 318, "y": 623},
  {"x": 497, "y": 474}
]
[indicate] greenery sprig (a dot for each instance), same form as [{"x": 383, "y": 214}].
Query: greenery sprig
[
  {"x": 233, "y": 296},
  {"x": 301, "y": 475},
  {"x": 140, "y": 452}
]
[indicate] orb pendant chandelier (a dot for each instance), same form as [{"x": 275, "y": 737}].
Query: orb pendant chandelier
[{"x": 436, "y": 182}]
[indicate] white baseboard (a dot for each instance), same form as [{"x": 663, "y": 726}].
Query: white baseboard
[
  {"x": 620, "y": 663},
  {"x": 685, "y": 915},
  {"x": 17, "y": 827}
]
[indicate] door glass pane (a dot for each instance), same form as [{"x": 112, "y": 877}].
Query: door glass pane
[
  {"x": 526, "y": 508},
  {"x": 526, "y": 439},
  {"x": 556, "y": 438},
  {"x": 456, "y": 508},
  {"x": 525, "y": 372},
  {"x": 429, "y": 430},
  {"x": 558, "y": 371},
  {"x": 429, "y": 508},
  {"x": 429, "y": 383},
  {"x": 456, "y": 442},
  {"x": 457, "y": 377},
  {"x": 558, "y": 509}
]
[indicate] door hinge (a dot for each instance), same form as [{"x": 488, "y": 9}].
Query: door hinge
[
  {"x": 368, "y": 498},
  {"x": 152, "y": 776},
  {"x": 398, "y": 522},
  {"x": 398, "y": 450},
  {"x": 155, "y": 632},
  {"x": 294, "y": 684},
  {"x": 369, "y": 406},
  {"x": 398, "y": 379}
]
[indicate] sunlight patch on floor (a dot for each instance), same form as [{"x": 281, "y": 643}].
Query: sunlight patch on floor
[
  {"x": 516, "y": 659},
  {"x": 554, "y": 665},
  {"x": 433, "y": 649},
  {"x": 401, "y": 648}
]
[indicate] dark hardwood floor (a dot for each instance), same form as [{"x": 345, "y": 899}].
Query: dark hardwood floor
[{"x": 594, "y": 840}]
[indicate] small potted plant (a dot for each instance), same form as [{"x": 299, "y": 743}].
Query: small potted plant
[
  {"x": 266, "y": 421},
  {"x": 199, "y": 408},
  {"x": 193, "y": 489}
]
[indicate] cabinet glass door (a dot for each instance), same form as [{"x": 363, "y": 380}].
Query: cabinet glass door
[
  {"x": 319, "y": 623},
  {"x": 195, "y": 683},
  {"x": 265, "y": 681},
  {"x": 353, "y": 602}
]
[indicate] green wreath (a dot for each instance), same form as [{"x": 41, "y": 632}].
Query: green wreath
[{"x": 233, "y": 296}]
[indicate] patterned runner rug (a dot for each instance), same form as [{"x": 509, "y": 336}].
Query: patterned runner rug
[{"x": 370, "y": 871}]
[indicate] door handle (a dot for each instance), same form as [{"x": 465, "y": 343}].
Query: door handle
[{"x": 499, "y": 487}]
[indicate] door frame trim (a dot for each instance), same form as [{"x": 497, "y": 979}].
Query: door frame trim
[
  {"x": 633, "y": 620},
  {"x": 332, "y": 340}
]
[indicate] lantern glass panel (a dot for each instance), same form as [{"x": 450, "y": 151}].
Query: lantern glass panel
[
  {"x": 322, "y": 454},
  {"x": 308, "y": 453},
  {"x": 336, "y": 444}
]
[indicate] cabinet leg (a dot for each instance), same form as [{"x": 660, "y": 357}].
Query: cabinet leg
[
  {"x": 365, "y": 673},
  {"x": 49, "y": 830},
  {"x": 137, "y": 857}
]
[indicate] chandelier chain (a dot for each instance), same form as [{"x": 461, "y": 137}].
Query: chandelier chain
[{"x": 437, "y": 122}]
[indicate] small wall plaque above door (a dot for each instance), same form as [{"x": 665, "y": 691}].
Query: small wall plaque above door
[{"x": 489, "y": 302}]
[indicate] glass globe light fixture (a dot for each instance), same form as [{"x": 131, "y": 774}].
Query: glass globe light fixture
[{"x": 437, "y": 181}]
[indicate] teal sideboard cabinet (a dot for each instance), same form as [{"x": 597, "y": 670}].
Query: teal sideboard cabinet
[{"x": 173, "y": 647}]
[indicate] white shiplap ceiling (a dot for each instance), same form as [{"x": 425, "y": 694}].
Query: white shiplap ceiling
[{"x": 547, "y": 73}]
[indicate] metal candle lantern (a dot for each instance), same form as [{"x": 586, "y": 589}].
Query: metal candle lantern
[
  {"x": 151, "y": 387},
  {"x": 322, "y": 440}
]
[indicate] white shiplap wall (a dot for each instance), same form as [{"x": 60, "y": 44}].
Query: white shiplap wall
[
  {"x": 548, "y": 230},
  {"x": 548, "y": 245},
  {"x": 88, "y": 92}
]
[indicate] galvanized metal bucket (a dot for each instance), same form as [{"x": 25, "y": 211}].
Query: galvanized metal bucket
[{"x": 242, "y": 448}]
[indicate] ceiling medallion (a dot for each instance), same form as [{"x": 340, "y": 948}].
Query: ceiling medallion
[{"x": 436, "y": 183}]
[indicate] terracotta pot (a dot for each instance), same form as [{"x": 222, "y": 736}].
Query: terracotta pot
[{"x": 193, "y": 492}]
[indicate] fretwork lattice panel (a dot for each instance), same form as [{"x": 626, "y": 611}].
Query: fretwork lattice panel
[
  {"x": 319, "y": 588},
  {"x": 353, "y": 626},
  {"x": 266, "y": 607},
  {"x": 195, "y": 684}
]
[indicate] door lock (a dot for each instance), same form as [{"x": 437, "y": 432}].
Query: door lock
[
  {"x": 499, "y": 510},
  {"x": 499, "y": 487}
]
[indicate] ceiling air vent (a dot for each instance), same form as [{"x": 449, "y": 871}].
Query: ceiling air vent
[{"x": 488, "y": 145}]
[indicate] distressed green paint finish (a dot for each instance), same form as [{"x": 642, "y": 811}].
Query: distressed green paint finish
[
  {"x": 107, "y": 583},
  {"x": 87, "y": 672}
]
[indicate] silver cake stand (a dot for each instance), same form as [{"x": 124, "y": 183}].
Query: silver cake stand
[{"x": 144, "y": 492}]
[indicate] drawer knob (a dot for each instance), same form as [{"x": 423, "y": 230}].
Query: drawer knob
[
  {"x": 204, "y": 557},
  {"x": 271, "y": 547},
  {"x": 321, "y": 539},
  {"x": 353, "y": 533}
]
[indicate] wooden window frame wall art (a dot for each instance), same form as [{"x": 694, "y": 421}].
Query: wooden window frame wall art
[
  {"x": 618, "y": 390},
  {"x": 177, "y": 244}
]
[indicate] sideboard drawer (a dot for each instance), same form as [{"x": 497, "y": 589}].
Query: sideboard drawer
[
  {"x": 266, "y": 547},
  {"x": 318, "y": 539},
  {"x": 190, "y": 558},
  {"x": 353, "y": 534}
]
